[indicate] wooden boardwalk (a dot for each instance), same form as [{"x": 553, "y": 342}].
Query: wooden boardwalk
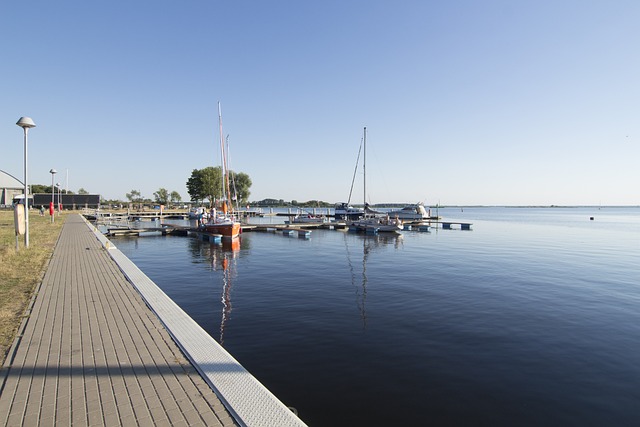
[{"x": 91, "y": 352}]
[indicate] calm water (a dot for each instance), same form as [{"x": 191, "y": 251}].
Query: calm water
[{"x": 532, "y": 318}]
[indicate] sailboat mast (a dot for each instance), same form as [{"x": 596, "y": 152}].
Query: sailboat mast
[
  {"x": 364, "y": 168},
  {"x": 227, "y": 176},
  {"x": 222, "y": 159},
  {"x": 353, "y": 180}
]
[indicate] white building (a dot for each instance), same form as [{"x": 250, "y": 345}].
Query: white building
[{"x": 10, "y": 187}]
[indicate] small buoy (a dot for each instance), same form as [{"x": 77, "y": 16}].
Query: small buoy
[{"x": 591, "y": 218}]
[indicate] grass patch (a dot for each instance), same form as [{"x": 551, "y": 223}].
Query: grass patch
[{"x": 21, "y": 271}]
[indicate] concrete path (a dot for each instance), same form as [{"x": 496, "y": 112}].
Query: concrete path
[{"x": 92, "y": 353}]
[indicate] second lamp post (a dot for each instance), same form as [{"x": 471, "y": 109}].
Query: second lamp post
[{"x": 53, "y": 172}]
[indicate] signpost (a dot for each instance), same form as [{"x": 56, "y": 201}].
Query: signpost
[{"x": 18, "y": 219}]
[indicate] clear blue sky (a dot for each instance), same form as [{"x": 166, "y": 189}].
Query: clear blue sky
[{"x": 466, "y": 102}]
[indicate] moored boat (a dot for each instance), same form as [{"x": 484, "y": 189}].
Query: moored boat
[
  {"x": 228, "y": 230},
  {"x": 380, "y": 224},
  {"x": 222, "y": 222},
  {"x": 346, "y": 211},
  {"x": 306, "y": 219},
  {"x": 415, "y": 212},
  {"x": 372, "y": 221}
]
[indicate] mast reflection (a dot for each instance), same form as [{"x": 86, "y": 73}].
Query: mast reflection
[
  {"x": 369, "y": 244},
  {"x": 224, "y": 258}
]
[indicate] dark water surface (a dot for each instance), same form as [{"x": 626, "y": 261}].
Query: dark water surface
[{"x": 532, "y": 318}]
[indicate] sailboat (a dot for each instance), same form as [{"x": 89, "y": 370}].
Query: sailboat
[
  {"x": 344, "y": 211},
  {"x": 222, "y": 221},
  {"x": 371, "y": 223}
]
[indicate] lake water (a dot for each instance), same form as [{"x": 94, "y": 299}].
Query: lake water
[{"x": 532, "y": 318}]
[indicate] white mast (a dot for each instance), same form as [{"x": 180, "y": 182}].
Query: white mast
[
  {"x": 222, "y": 169},
  {"x": 364, "y": 169},
  {"x": 226, "y": 190}
]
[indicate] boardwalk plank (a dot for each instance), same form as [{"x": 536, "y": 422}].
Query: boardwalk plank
[{"x": 92, "y": 352}]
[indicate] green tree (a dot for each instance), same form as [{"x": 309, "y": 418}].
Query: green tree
[
  {"x": 162, "y": 196},
  {"x": 83, "y": 191},
  {"x": 205, "y": 184},
  {"x": 175, "y": 197},
  {"x": 241, "y": 183},
  {"x": 212, "y": 183},
  {"x": 135, "y": 197},
  {"x": 195, "y": 186},
  {"x": 39, "y": 188}
]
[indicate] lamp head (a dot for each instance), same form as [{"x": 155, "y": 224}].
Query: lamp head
[
  {"x": 26, "y": 123},
  {"x": 53, "y": 171}
]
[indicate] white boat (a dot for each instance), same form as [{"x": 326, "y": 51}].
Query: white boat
[
  {"x": 379, "y": 221},
  {"x": 373, "y": 222},
  {"x": 344, "y": 211},
  {"x": 416, "y": 212},
  {"x": 377, "y": 224},
  {"x": 306, "y": 219}
]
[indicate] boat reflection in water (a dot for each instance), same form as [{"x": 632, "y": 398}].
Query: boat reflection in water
[
  {"x": 369, "y": 244},
  {"x": 223, "y": 258}
]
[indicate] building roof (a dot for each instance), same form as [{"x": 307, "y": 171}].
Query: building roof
[{"x": 9, "y": 181}]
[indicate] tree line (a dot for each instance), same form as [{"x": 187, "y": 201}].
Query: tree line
[
  {"x": 206, "y": 184},
  {"x": 203, "y": 185},
  {"x": 161, "y": 197},
  {"x": 39, "y": 189}
]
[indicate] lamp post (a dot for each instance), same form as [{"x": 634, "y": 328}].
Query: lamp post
[
  {"x": 26, "y": 123},
  {"x": 59, "y": 204},
  {"x": 53, "y": 190}
]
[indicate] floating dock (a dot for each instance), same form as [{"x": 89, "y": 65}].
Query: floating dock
[{"x": 120, "y": 227}]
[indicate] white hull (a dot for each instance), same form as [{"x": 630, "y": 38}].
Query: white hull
[
  {"x": 344, "y": 211},
  {"x": 415, "y": 212},
  {"x": 377, "y": 225},
  {"x": 310, "y": 219}
]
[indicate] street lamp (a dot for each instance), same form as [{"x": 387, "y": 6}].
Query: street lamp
[
  {"x": 59, "y": 204},
  {"x": 26, "y": 123},
  {"x": 53, "y": 190}
]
